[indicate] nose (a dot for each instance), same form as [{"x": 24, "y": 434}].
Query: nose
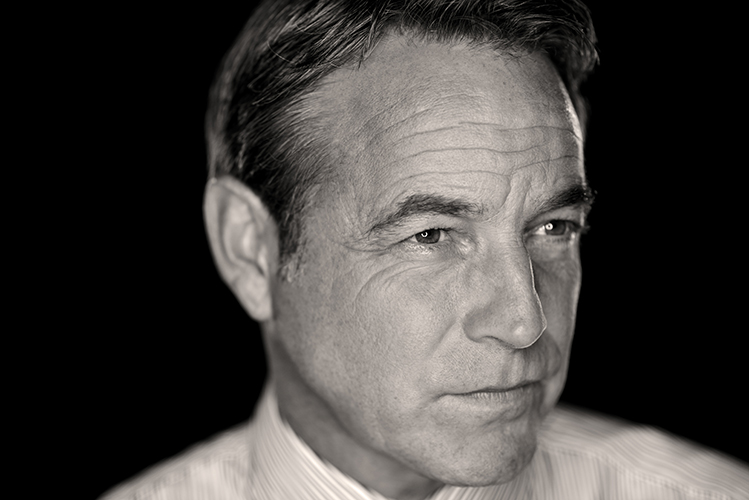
[{"x": 505, "y": 304}]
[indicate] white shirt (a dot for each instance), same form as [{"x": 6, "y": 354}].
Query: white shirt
[{"x": 580, "y": 456}]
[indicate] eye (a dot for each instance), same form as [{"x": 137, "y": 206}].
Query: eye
[
  {"x": 428, "y": 236},
  {"x": 556, "y": 228}
]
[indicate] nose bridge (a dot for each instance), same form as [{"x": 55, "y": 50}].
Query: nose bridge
[{"x": 508, "y": 306}]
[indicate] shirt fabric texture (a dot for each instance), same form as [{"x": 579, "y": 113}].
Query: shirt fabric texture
[{"x": 580, "y": 456}]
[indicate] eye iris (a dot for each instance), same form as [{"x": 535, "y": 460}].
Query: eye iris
[{"x": 428, "y": 236}]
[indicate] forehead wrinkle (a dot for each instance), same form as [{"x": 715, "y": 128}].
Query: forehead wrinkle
[
  {"x": 375, "y": 127},
  {"x": 513, "y": 161},
  {"x": 529, "y": 127},
  {"x": 432, "y": 107},
  {"x": 488, "y": 137},
  {"x": 426, "y": 132},
  {"x": 495, "y": 128},
  {"x": 510, "y": 149},
  {"x": 490, "y": 150},
  {"x": 404, "y": 100}
]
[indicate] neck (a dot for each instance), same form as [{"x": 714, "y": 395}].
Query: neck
[{"x": 316, "y": 424}]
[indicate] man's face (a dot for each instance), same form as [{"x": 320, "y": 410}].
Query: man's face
[{"x": 445, "y": 244}]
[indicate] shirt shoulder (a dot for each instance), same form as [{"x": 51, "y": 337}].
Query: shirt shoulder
[
  {"x": 602, "y": 454},
  {"x": 211, "y": 470}
]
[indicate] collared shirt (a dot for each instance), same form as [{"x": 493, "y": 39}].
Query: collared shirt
[{"x": 580, "y": 456}]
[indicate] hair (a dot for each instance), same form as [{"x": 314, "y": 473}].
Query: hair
[{"x": 257, "y": 127}]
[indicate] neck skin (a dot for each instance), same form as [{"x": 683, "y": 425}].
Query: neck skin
[{"x": 316, "y": 425}]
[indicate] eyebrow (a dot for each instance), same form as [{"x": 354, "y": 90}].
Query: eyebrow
[
  {"x": 420, "y": 205},
  {"x": 576, "y": 195}
]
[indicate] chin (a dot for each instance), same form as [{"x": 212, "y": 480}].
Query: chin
[
  {"x": 488, "y": 469},
  {"x": 481, "y": 459}
]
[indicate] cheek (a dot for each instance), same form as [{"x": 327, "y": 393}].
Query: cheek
[
  {"x": 403, "y": 313},
  {"x": 558, "y": 286},
  {"x": 357, "y": 335}
]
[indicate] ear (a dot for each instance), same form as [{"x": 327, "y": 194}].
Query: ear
[{"x": 244, "y": 241}]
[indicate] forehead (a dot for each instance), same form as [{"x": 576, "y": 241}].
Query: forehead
[{"x": 465, "y": 121}]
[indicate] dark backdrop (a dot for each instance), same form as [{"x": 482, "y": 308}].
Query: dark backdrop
[{"x": 166, "y": 356}]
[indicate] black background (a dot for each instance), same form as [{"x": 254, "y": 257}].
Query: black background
[{"x": 163, "y": 355}]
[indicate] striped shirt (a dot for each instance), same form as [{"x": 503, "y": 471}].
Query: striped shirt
[{"x": 580, "y": 456}]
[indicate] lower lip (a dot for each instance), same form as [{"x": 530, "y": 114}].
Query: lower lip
[{"x": 507, "y": 405}]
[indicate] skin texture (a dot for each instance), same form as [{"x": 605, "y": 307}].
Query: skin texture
[{"x": 376, "y": 343}]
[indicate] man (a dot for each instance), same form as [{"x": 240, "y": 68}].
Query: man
[{"x": 397, "y": 195}]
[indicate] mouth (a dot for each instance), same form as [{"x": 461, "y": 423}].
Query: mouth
[
  {"x": 499, "y": 394},
  {"x": 505, "y": 403}
]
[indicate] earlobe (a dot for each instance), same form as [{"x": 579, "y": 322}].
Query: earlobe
[{"x": 244, "y": 242}]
